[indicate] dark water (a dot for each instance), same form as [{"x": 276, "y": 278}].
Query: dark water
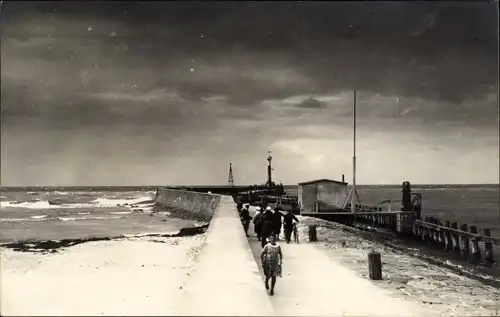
[
  {"x": 81, "y": 214},
  {"x": 477, "y": 205}
]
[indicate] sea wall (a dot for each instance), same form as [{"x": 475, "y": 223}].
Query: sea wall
[{"x": 187, "y": 204}]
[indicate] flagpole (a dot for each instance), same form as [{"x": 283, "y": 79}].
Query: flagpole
[{"x": 353, "y": 190}]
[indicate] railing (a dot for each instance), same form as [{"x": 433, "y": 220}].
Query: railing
[{"x": 461, "y": 239}]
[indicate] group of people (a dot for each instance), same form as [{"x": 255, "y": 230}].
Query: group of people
[
  {"x": 271, "y": 221},
  {"x": 267, "y": 226}
]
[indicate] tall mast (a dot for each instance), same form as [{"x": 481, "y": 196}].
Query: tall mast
[{"x": 353, "y": 190}]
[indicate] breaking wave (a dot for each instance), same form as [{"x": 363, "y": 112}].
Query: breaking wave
[
  {"x": 46, "y": 218},
  {"x": 143, "y": 202}
]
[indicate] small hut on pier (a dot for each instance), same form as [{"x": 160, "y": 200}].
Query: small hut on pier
[{"x": 327, "y": 194}]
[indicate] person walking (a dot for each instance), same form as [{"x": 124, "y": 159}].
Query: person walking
[
  {"x": 257, "y": 223},
  {"x": 267, "y": 225},
  {"x": 245, "y": 217},
  {"x": 277, "y": 216},
  {"x": 272, "y": 259},
  {"x": 288, "y": 220}
]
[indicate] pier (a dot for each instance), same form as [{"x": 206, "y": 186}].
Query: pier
[{"x": 227, "y": 280}]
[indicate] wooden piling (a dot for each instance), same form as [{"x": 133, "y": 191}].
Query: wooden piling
[
  {"x": 455, "y": 238},
  {"x": 448, "y": 242},
  {"x": 441, "y": 234},
  {"x": 464, "y": 242},
  {"x": 435, "y": 232},
  {"x": 432, "y": 232},
  {"x": 375, "y": 266},
  {"x": 425, "y": 232},
  {"x": 475, "y": 251},
  {"x": 416, "y": 229},
  {"x": 488, "y": 247},
  {"x": 313, "y": 236},
  {"x": 429, "y": 232}
]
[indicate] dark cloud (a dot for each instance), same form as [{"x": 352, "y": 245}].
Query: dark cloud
[
  {"x": 184, "y": 69},
  {"x": 311, "y": 103},
  {"x": 411, "y": 49}
]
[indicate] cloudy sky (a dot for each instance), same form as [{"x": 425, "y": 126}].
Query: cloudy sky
[{"x": 111, "y": 93}]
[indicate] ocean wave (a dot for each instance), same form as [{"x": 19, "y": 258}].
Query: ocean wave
[
  {"x": 43, "y": 204},
  {"x": 114, "y": 202},
  {"x": 61, "y": 193},
  {"x": 46, "y": 218},
  {"x": 88, "y": 218},
  {"x": 18, "y": 219},
  {"x": 143, "y": 202},
  {"x": 121, "y": 212}
]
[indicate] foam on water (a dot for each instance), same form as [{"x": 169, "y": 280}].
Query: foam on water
[
  {"x": 18, "y": 219},
  {"x": 97, "y": 203},
  {"x": 45, "y": 218},
  {"x": 88, "y": 218},
  {"x": 43, "y": 204},
  {"x": 113, "y": 202},
  {"x": 120, "y": 212}
]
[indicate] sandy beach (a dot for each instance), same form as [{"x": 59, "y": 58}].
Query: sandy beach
[
  {"x": 439, "y": 288},
  {"x": 139, "y": 276}
]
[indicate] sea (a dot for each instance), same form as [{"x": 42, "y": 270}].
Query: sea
[
  {"x": 55, "y": 213},
  {"x": 82, "y": 213}
]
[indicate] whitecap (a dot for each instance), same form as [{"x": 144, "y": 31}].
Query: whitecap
[
  {"x": 86, "y": 218},
  {"x": 120, "y": 212},
  {"x": 39, "y": 217},
  {"x": 12, "y": 219},
  {"x": 22, "y": 219},
  {"x": 44, "y": 204},
  {"x": 30, "y": 205},
  {"x": 109, "y": 202}
]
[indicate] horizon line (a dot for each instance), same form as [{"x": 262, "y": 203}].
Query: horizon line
[{"x": 243, "y": 185}]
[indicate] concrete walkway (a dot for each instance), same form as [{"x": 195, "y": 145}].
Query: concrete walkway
[
  {"x": 315, "y": 285},
  {"x": 226, "y": 279}
]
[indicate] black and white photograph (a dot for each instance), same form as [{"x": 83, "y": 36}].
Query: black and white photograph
[{"x": 249, "y": 158}]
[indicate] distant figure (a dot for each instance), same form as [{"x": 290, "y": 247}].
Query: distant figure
[
  {"x": 257, "y": 223},
  {"x": 272, "y": 259},
  {"x": 267, "y": 225},
  {"x": 277, "y": 215},
  {"x": 245, "y": 217},
  {"x": 239, "y": 205},
  {"x": 288, "y": 225}
]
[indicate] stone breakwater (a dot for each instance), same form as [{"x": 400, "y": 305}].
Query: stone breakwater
[{"x": 186, "y": 204}]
